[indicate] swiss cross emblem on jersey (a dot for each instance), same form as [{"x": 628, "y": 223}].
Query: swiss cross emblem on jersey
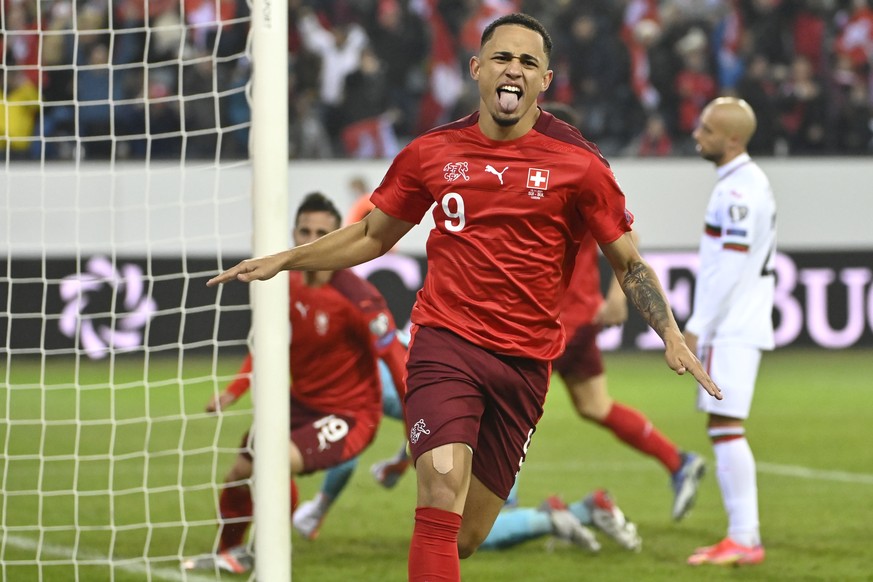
[
  {"x": 537, "y": 179},
  {"x": 537, "y": 182}
]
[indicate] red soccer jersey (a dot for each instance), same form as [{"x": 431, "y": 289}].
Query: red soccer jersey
[
  {"x": 338, "y": 331},
  {"x": 508, "y": 215},
  {"x": 583, "y": 297}
]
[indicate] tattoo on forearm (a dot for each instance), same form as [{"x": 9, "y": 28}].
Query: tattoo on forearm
[{"x": 643, "y": 290}]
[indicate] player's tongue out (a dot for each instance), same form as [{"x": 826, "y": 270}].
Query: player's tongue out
[{"x": 508, "y": 97}]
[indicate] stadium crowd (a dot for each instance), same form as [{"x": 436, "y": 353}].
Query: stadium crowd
[{"x": 365, "y": 76}]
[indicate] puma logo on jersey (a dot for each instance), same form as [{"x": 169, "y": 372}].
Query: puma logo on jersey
[
  {"x": 490, "y": 169},
  {"x": 303, "y": 309}
]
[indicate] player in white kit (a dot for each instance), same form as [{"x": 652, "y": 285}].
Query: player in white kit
[{"x": 732, "y": 318}]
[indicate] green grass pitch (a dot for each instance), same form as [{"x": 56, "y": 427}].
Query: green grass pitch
[{"x": 810, "y": 430}]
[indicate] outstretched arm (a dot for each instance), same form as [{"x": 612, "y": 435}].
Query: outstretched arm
[
  {"x": 234, "y": 390},
  {"x": 642, "y": 287},
  {"x": 352, "y": 245}
]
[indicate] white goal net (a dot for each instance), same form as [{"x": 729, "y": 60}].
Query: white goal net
[{"x": 126, "y": 184}]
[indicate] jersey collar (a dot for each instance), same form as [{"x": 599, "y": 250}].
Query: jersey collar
[{"x": 729, "y": 168}]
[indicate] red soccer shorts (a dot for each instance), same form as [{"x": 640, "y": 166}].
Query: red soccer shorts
[{"x": 458, "y": 392}]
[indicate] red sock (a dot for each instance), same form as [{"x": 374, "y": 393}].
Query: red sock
[
  {"x": 635, "y": 429},
  {"x": 433, "y": 551},
  {"x": 235, "y": 502}
]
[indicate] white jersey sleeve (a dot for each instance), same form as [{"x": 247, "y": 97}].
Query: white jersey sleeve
[{"x": 733, "y": 298}]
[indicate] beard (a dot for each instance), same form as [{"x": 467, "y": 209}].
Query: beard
[
  {"x": 710, "y": 156},
  {"x": 505, "y": 121}
]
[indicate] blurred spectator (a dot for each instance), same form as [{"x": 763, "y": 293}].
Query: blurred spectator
[
  {"x": 308, "y": 138},
  {"x": 645, "y": 35},
  {"x": 445, "y": 76},
  {"x": 237, "y": 115},
  {"x": 21, "y": 38},
  {"x": 368, "y": 127},
  {"x": 358, "y": 188},
  {"x": 365, "y": 76},
  {"x": 166, "y": 36},
  {"x": 802, "y": 112},
  {"x": 852, "y": 131},
  {"x": 809, "y": 38},
  {"x": 599, "y": 76},
  {"x": 372, "y": 137},
  {"x": 635, "y": 12},
  {"x": 695, "y": 85},
  {"x": 19, "y": 106},
  {"x": 399, "y": 40},
  {"x": 339, "y": 45},
  {"x": 482, "y": 13},
  {"x": 200, "y": 103},
  {"x": 769, "y": 30},
  {"x": 163, "y": 123},
  {"x": 654, "y": 141},
  {"x": 366, "y": 90},
  {"x": 727, "y": 38},
  {"x": 57, "y": 53},
  {"x": 94, "y": 90},
  {"x": 856, "y": 39},
  {"x": 760, "y": 90}
]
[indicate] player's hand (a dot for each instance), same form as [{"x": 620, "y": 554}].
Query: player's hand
[
  {"x": 681, "y": 359},
  {"x": 259, "y": 269},
  {"x": 220, "y": 401}
]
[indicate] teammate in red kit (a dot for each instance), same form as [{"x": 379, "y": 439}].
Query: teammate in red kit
[
  {"x": 340, "y": 327},
  {"x": 584, "y": 313},
  {"x": 515, "y": 190}
]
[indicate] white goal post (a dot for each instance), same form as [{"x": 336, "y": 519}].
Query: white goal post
[{"x": 157, "y": 149}]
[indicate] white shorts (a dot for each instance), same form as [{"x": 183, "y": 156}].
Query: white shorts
[{"x": 734, "y": 369}]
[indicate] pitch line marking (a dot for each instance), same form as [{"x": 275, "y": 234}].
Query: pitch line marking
[
  {"x": 66, "y": 552},
  {"x": 762, "y": 466},
  {"x": 819, "y": 474}
]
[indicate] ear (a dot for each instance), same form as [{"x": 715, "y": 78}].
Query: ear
[
  {"x": 547, "y": 79},
  {"x": 474, "y": 68}
]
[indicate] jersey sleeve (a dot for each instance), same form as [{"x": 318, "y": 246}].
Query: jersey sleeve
[
  {"x": 242, "y": 382},
  {"x": 602, "y": 204},
  {"x": 737, "y": 221},
  {"x": 401, "y": 193},
  {"x": 394, "y": 356}
]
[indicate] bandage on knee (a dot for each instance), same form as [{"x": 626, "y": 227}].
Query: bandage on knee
[{"x": 443, "y": 458}]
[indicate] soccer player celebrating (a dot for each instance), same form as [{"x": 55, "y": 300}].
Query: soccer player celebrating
[
  {"x": 731, "y": 322},
  {"x": 514, "y": 189},
  {"x": 584, "y": 313},
  {"x": 341, "y": 327}
]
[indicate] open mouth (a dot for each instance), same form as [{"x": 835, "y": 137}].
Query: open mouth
[{"x": 508, "y": 96}]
